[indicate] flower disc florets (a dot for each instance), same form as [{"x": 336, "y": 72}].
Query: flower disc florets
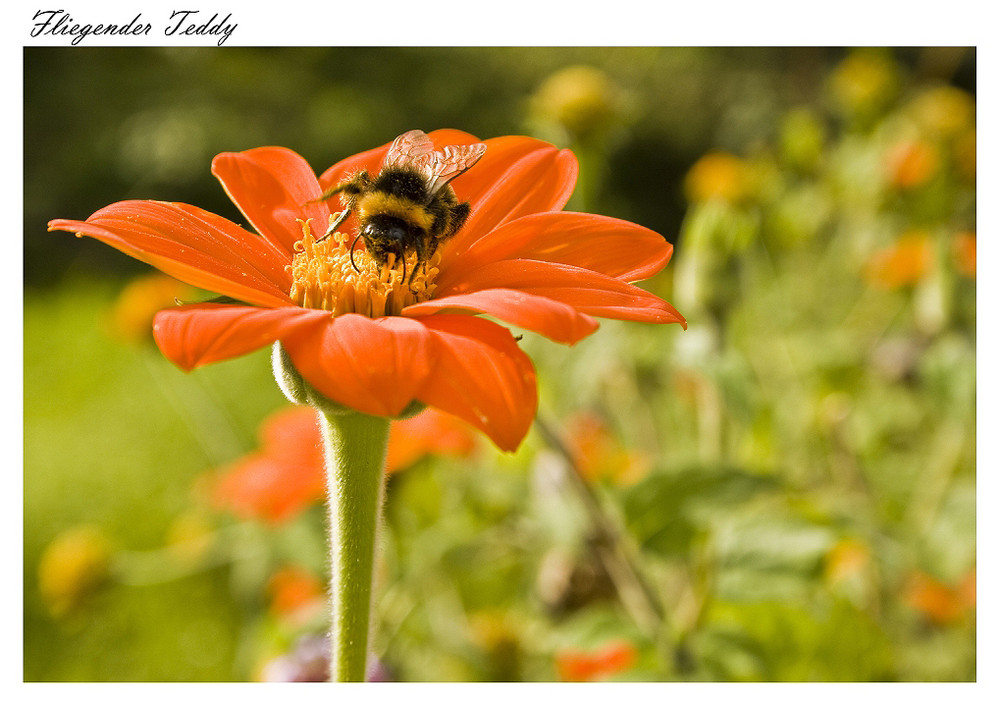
[{"x": 326, "y": 276}]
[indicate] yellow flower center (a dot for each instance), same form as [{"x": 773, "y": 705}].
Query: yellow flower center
[{"x": 324, "y": 277}]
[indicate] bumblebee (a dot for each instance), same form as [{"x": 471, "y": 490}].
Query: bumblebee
[{"x": 408, "y": 206}]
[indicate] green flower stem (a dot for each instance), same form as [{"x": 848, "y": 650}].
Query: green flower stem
[{"x": 355, "y": 448}]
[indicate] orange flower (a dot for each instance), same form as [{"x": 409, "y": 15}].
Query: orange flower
[
  {"x": 288, "y": 475},
  {"x": 518, "y": 259},
  {"x": 575, "y": 665},
  {"x": 904, "y": 263},
  {"x": 938, "y": 602},
  {"x": 598, "y": 454},
  {"x": 912, "y": 163},
  {"x": 296, "y": 594},
  {"x": 964, "y": 250},
  {"x": 285, "y": 477},
  {"x": 429, "y": 432}
]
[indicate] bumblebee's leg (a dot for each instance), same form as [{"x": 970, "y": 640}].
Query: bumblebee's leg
[
  {"x": 351, "y": 187},
  {"x": 341, "y": 217},
  {"x": 353, "y": 243},
  {"x": 459, "y": 214},
  {"x": 421, "y": 249}
]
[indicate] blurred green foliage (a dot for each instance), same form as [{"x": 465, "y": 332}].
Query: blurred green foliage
[{"x": 785, "y": 491}]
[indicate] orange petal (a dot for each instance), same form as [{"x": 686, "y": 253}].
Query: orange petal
[
  {"x": 502, "y": 153},
  {"x": 374, "y": 366},
  {"x": 199, "y": 334},
  {"x": 192, "y": 245},
  {"x": 617, "y": 248},
  {"x": 481, "y": 376},
  {"x": 443, "y": 137},
  {"x": 554, "y": 320},
  {"x": 273, "y": 187},
  {"x": 589, "y": 292},
  {"x": 542, "y": 180},
  {"x": 369, "y": 160}
]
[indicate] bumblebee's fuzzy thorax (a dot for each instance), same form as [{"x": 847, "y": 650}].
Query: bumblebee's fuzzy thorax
[{"x": 381, "y": 203}]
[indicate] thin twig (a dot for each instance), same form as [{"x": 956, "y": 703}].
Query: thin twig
[{"x": 614, "y": 550}]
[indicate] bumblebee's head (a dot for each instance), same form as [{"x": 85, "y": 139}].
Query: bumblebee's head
[{"x": 385, "y": 233}]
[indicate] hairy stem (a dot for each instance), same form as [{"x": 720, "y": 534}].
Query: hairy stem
[{"x": 355, "y": 448}]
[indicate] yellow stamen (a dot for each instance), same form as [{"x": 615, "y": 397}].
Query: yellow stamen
[{"x": 324, "y": 278}]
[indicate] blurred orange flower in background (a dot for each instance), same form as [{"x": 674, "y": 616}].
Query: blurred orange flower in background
[
  {"x": 912, "y": 163},
  {"x": 284, "y": 477},
  {"x": 296, "y": 594},
  {"x": 288, "y": 474},
  {"x": 430, "y": 432},
  {"x": 964, "y": 250},
  {"x": 595, "y": 665},
  {"x": 939, "y": 602},
  {"x": 599, "y": 454},
  {"x": 904, "y": 263}
]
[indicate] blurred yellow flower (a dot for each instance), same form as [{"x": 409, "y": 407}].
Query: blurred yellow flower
[
  {"x": 190, "y": 537},
  {"x": 131, "y": 318},
  {"x": 903, "y": 263},
  {"x": 865, "y": 82},
  {"x": 847, "y": 559},
  {"x": 581, "y": 99},
  {"x": 500, "y": 637},
  {"x": 944, "y": 111},
  {"x": 717, "y": 175},
  {"x": 75, "y": 564}
]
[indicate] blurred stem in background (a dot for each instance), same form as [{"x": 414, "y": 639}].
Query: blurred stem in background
[{"x": 614, "y": 547}]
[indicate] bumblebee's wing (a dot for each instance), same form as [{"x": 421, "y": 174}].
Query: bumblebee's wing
[
  {"x": 441, "y": 167},
  {"x": 408, "y": 148}
]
